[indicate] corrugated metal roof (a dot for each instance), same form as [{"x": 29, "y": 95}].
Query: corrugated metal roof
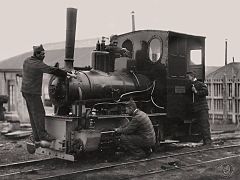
[
  {"x": 231, "y": 70},
  {"x": 82, "y": 57}
]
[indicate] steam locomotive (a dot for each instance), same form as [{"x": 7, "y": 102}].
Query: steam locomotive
[{"x": 147, "y": 65}]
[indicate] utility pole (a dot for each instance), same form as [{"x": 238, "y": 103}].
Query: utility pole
[
  {"x": 225, "y": 96},
  {"x": 133, "y": 21},
  {"x": 226, "y": 48}
]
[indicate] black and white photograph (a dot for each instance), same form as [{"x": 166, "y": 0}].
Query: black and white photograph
[{"x": 117, "y": 90}]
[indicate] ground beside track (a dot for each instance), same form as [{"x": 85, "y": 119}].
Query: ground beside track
[{"x": 12, "y": 150}]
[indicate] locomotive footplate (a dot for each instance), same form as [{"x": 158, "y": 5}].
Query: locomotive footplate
[
  {"x": 37, "y": 149},
  {"x": 55, "y": 154}
]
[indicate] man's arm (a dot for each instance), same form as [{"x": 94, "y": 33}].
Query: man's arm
[
  {"x": 202, "y": 89},
  {"x": 129, "y": 128},
  {"x": 51, "y": 70}
]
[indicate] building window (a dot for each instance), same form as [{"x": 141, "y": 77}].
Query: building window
[
  {"x": 217, "y": 89},
  {"x": 237, "y": 88},
  {"x": 209, "y": 89},
  {"x": 12, "y": 95},
  {"x": 237, "y": 105},
  {"x": 229, "y": 89},
  {"x": 230, "y": 106},
  {"x": 209, "y": 103},
  {"x": 218, "y": 104}
]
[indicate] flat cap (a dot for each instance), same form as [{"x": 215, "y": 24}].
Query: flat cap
[
  {"x": 131, "y": 103},
  {"x": 38, "y": 48},
  {"x": 193, "y": 73},
  {"x": 113, "y": 37}
]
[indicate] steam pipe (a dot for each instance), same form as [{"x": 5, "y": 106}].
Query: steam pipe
[{"x": 70, "y": 38}]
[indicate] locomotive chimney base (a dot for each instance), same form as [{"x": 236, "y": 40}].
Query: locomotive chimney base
[{"x": 68, "y": 64}]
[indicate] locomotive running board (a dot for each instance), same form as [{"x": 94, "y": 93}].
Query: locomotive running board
[
  {"x": 31, "y": 148},
  {"x": 54, "y": 154}
]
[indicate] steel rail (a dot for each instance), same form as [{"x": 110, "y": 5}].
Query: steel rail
[
  {"x": 23, "y": 163},
  {"x": 67, "y": 175},
  {"x": 181, "y": 167},
  {"x": 20, "y": 172},
  {"x": 4, "y": 166}
]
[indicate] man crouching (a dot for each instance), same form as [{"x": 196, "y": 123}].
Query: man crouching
[{"x": 138, "y": 135}]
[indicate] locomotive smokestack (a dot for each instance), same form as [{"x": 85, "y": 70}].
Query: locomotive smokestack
[
  {"x": 70, "y": 38},
  {"x": 133, "y": 21}
]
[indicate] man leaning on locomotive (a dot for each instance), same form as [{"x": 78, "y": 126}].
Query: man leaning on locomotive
[
  {"x": 33, "y": 69},
  {"x": 137, "y": 136}
]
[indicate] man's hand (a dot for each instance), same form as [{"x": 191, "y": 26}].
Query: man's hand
[
  {"x": 56, "y": 65},
  {"x": 194, "y": 89},
  {"x": 71, "y": 75},
  {"x": 116, "y": 130},
  {"x": 125, "y": 52}
]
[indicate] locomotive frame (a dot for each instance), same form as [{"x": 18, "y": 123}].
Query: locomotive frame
[{"x": 148, "y": 65}]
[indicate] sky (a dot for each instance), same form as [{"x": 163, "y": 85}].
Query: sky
[{"x": 25, "y": 23}]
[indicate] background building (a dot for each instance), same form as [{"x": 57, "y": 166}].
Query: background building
[
  {"x": 224, "y": 93},
  {"x": 11, "y": 75}
]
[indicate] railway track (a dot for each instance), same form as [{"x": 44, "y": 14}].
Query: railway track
[
  {"x": 16, "y": 164},
  {"x": 7, "y": 171},
  {"x": 60, "y": 169},
  {"x": 126, "y": 170},
  {"x": 155, "y": 165},
  {"x": 225, "y": 174}
]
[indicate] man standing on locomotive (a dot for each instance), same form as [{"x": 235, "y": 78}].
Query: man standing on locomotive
[
  {"x": 138, "y": 135},
  {"x": 200, "y": 107},
  {"x": 33, "y": 69}
]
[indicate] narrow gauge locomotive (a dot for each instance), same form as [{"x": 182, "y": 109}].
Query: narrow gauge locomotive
[{"x": 148, "y": 65}]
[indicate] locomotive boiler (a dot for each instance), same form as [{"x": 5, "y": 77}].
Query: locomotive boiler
[{"x": 148, "y": 65}]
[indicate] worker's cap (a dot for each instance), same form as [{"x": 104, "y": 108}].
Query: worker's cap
[
  {"x": 113, "y": 38},
  {"x": 131, "y": 103},
  {"x": 192, "y": 73},
  {"x": 38, "y": 49}
]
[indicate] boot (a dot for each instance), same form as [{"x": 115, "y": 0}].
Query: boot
[
  {"x": 47, "y": 137},
  {"x": 207, "y": 142},
  {"x": 148, "y": 151}
]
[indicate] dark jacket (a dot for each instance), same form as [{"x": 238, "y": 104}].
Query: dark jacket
[
  {"x": 33, "y": 70},
  {"x": 200, "y": 101},
  {"x": 140, "y": 125}
]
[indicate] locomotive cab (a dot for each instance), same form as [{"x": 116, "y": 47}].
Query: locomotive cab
[
  {"x": 185, "y": 53},
  {"x": 164, "y": 57}
]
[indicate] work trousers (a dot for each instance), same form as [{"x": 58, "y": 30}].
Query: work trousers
[
  {"x": 36, "y": 114},
  {"x": 203, "y": 123},
  {"x": 134, "y": 144},
  {"x": 1, "y": 112}
]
